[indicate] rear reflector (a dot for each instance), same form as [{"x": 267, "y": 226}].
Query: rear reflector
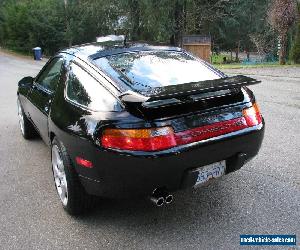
[
  {"x": 155, "y": 139},
  {"x": 83, "y": 162}
]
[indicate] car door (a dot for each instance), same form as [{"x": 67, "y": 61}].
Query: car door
[{"x": 42, "y": 93}]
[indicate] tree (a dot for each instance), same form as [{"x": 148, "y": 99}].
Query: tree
[
  {"x": 240, "y": 19},
  {"x": 54, "y": 24},
  {"x": 295, "y": 52},
  {"x": 265, "y": 43},
  {"x": 282, "y": 15}
]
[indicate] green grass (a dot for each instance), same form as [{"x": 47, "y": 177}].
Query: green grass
[
  {"x": 218, "y": 59},
  {"x": 262, "y": 65}
]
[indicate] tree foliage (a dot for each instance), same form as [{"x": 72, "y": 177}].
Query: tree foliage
[
  {"x": 282, "y": 15},
  {"x": 53, "y": 24}
]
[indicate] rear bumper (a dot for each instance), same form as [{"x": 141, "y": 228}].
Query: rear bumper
[
  {"x": 232, "y": 164},
  {"x": 121, "y": 174}
]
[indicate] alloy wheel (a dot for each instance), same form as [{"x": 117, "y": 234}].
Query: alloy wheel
[
  {"x": 21, "y": 116},
  {"x": 59, "y": 175}
]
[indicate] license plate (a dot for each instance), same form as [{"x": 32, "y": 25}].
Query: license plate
[{"x": 212, "y": 171}]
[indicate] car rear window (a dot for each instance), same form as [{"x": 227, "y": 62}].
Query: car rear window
[{"x": 150, "y": 69}]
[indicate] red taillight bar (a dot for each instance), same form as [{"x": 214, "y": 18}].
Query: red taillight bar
[
  {"x": 210, "y": 131},
  {"x": 155, "y": 139}
]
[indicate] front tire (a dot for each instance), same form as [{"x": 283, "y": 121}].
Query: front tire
[
  {"x": 26, "y": 127},
  {"x": 72, "y": 195}
]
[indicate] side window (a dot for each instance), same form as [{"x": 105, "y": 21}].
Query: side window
[
  {"x": 85, "y": 90},
  {"x": 50, "y": 76}
]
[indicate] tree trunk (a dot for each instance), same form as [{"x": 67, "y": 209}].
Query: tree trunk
[
  {"x": 135, "y": 18},
  {"x": 237, "y": 51},
  {"x": 282, "y": 51},
  {"x": 179, "y": 21},
  {"x": 68, "y": 25}
]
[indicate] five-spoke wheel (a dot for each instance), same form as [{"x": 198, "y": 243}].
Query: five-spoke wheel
[
  {"x": 27, "y": 129},
  {"x": 69, "y": 188},
  {"x": 21, "y": 117},
  {"x": 59, "y": 175}
]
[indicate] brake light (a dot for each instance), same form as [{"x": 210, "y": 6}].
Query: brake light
[
  {"x": 152, "y": 139},
  {"x": 252, "y": 115}
]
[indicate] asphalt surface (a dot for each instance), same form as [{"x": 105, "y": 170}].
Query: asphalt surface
[{"x": 262, "y": 198}]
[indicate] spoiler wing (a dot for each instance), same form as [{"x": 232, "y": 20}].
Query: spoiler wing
[{"x": 161, "y": 96}]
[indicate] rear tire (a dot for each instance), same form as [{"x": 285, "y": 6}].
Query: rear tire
[
  {"x": 27, "y": 129},
  {"x": 73, "y": 197}
]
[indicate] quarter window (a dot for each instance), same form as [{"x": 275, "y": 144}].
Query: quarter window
[
  {"x": 85, "y": 90},
  {"x": 50, "y": 76}
]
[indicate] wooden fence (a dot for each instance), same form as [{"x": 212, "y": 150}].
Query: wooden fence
[{"x": 198, "y": 45}]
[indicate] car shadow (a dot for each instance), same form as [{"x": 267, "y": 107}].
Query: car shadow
[{"x": 191, "y": 208}]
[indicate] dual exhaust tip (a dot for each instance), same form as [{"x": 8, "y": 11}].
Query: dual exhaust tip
[{"x": 160, "y": 197}]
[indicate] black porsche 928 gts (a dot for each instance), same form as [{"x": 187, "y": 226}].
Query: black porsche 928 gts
[{"x": 137, "y": 120}]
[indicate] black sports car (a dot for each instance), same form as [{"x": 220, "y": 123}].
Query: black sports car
[{"x": 137, "y": 120}]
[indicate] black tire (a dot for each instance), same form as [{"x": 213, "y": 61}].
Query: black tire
[
  {"x": 28, "y": 131},
  {"x": 78, "y": 201}
]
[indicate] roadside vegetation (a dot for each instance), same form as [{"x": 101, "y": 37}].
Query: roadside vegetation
[
  {"x": 261, "y": 65},
  {"x": 237, "y": 27}
]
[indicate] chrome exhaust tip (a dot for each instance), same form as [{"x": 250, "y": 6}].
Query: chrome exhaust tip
[
  {"x": 158, "y": 201},
  {"x": 160, "y": 196},
  {"x": 169, "y": 198},
  {"x": 157, "y": 197}
]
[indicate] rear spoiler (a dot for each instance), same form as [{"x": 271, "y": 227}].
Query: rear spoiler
[{"x": 161, "y": 96}]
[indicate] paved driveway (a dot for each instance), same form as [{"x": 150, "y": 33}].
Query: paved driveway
[{"x": 261, "y": 198}]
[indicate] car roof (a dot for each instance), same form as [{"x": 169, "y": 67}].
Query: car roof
[
  {"x": 92, "y": 51},
  {"x": 96, "y": 50}
]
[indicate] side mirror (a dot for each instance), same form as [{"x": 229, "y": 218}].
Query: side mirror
[{"x": 26, "y": 82}]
